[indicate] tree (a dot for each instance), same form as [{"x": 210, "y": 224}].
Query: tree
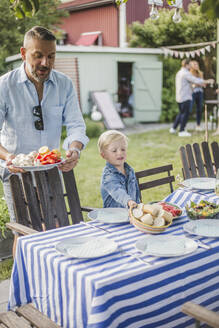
[
  {"x": 194, "y": 27},
  {"x": 22, "y": 8},
  {"x": 12, "y": 29},
  {"x": 210, "y": 8}
]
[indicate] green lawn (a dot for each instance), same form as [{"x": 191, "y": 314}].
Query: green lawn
[{"x": 146, "y": 150}]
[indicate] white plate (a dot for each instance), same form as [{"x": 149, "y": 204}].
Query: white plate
[
  {"x": 110, "y": 215},
  {"x": 86, "y": 247},
  {"x": 200, "y": 183},
  {"x": 40, "y": 167},
  {"x": 203, "y": 227},
  {"x": 166, "y": 246}
]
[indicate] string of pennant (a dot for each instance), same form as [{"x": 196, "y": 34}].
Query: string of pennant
[{"x": 181, "y": 54}]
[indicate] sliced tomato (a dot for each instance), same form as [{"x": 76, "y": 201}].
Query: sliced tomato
[
  {"x": 46, "y": 156},
  {"x": 44, "y": 162},
  {"x": 50, "y": 161},
  {"x": 39, "y": 156}
]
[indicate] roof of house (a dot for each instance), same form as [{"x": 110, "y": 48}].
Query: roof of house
[
  {"x": 82, "y": 4},
  {"x": 97, "y": 49}
]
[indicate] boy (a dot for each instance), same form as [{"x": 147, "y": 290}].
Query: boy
[{"x": 119, "y": 186}]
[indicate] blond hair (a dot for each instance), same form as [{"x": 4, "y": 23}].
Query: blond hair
[
  {"x": 108, "y": 137},
  {"x": 196, "y": 72}
]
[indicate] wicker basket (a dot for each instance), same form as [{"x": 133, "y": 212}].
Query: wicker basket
[{"x": 145, "y": 227}]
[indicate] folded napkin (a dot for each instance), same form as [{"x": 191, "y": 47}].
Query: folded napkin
[
  {"x": 112, "y": 215},
  {"x": 92, "y": 248},
  {"x": 165, "y": 245},
  {"x": 206, "y": 227}
]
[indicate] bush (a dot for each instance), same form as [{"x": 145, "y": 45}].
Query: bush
[
  {"x": 169, "y": 105},
  {"x": 4, "y": 216},
  {"x": 94, "y": 129}
]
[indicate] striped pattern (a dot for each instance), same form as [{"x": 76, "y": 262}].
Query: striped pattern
[{"x": 116, "y": 290}]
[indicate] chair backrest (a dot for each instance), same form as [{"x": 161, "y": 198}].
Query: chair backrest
[
  {"x": 45, "y": 200},
  {"x": 200, "y": 161},
  {"x": 168, "y": 179},
  {"x": 26, "y": 316}
]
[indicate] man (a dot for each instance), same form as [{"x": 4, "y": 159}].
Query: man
[
  {"x": 184, "y": 81},
  {"x": 35, "y": 102}
]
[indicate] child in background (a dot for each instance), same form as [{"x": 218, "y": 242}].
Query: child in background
[{"x": 119, "y": 186}]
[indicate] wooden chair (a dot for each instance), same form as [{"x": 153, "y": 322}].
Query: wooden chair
[
  {"x": 201, "y": 314},
  {"x": 200, "y": 161},
  {"x": 39, "y": 201},
  {"x": 26, "y": 316},
  {"x": 166, "y": 169}
]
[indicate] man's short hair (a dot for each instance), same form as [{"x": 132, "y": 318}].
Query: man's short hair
[
  {"x": 39, "y": 33},
  {"x": 185, "y": 62},
  {"x": 110, "y": 136}
]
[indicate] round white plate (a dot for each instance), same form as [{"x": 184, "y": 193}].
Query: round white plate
[
  {"x": 203, "y": 227},
  {"x": 200, "y": 183},
  {"x": 40, "y": 167},
  {"x": 85, "y": 247},
  {"x": 110, "y": 215},
  {"x": 166, "y": 246}
]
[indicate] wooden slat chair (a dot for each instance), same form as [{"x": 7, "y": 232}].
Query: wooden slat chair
[
  {"x": 200, "y": 161},
  {"x": 26, "y": 316},
  {"x": 201, "y": 314},
  {"x": 41, "y": 204},
  {"x": 168, "y": 179}
]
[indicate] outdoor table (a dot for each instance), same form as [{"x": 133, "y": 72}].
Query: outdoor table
[
  {"x": 117, "y": 290},
  {"x": 211, "y": 102}
]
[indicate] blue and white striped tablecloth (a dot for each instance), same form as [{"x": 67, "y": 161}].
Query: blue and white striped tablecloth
[{"x": 116, "y": 290}]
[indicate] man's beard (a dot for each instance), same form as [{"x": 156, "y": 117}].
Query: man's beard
[{"x": 34, "y": 75}]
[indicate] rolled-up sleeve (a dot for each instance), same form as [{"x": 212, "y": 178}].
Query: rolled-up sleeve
[{"x": 73, "y": 119}]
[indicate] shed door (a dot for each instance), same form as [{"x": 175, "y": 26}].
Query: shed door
[{"x": 147, "y": 91}]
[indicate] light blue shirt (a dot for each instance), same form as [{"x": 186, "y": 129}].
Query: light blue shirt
[
  {"x": 60, "y": 107},
  {"x": 184, "y": 80}
]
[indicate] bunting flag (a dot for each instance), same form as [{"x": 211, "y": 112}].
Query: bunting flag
[{"x": 180, "y": 54}]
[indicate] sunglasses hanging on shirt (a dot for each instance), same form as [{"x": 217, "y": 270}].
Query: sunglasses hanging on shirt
[{"x": 37, "y": 111}]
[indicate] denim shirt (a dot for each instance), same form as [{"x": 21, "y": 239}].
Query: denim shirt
[
  {"x": 60, "y": 107},
  {"x": 116, "y": 188}
]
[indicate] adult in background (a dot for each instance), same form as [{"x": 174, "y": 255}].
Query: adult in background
[
  {"x": 35, "y": 102},
  {"x": 184, "y": 81},
  {"x": 198, "y": 94}
]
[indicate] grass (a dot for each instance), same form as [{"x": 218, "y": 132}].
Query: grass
[
  {"x": 146, "y": 150},
  {"x": 5, "y": 269}
]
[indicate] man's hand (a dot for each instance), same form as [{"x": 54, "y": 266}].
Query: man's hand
[
  {"x": 10, "y": 166},
  {"x": 71, "y": 161}
]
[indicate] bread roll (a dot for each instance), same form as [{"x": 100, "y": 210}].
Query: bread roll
[
  {"x": 168, "y": 217},
  {"x": 137, "y": 212},
  {"x": 159, "y": 222},
  {"x": 147, "y": 219},
  {"x": 151, "y": 209}
]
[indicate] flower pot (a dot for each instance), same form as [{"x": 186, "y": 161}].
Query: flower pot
[{"x": 6, "y": 245}]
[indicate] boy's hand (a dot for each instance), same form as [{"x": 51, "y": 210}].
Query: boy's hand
[{"x": 131, "y": 203}]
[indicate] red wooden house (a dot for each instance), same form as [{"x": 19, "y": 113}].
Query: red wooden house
[{"x": 101, "y": 22}]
